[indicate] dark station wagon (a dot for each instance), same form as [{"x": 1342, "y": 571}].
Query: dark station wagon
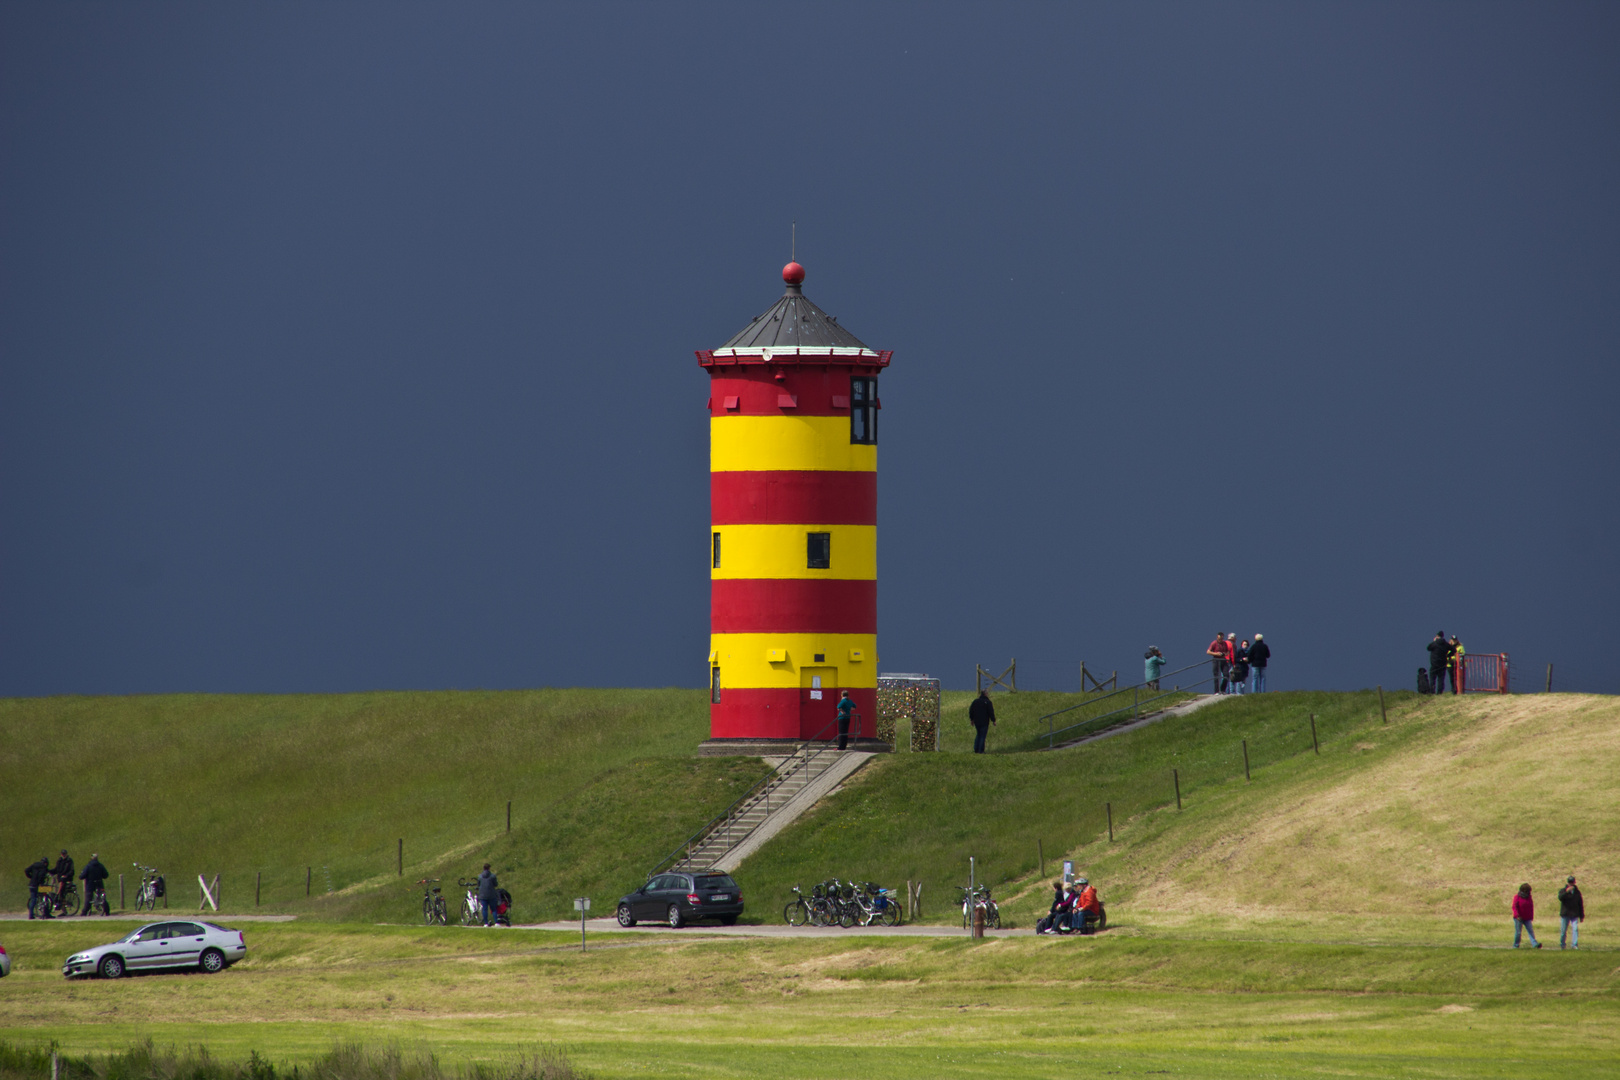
[{"x": 681, "y": 898}]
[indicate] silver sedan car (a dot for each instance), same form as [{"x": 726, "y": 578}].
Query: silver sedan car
[{"x": 201, "y": 945}]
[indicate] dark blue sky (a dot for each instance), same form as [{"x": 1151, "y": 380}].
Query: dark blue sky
[{"x": 350, "y": 346}]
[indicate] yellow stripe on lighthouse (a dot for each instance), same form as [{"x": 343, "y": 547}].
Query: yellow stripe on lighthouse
[
  {"x": 765, "y": 443},
  {"x": 782, "y": 551}
]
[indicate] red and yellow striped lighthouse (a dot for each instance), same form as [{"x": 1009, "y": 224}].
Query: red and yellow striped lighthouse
[{"x": 793, "y": 428}]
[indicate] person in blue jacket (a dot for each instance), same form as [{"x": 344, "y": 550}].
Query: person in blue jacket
[{"x": 846, "y": 712}]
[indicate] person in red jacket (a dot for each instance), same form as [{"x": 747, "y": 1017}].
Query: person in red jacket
[{"x": 1524, "y": 913}]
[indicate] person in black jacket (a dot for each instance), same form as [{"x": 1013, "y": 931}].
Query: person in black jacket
[
  {"x": 981, "y": 714},
  {"x": 1439, "y": 660},
  {"x": 93, "y": 875},
  {"x": 36, "y": 873},
  {"x": 489, "y": 894},
  {"x": 63, "y": 872},
  {"x": 1571, "y": 911},
  {"x": 1259, "y": 656}
]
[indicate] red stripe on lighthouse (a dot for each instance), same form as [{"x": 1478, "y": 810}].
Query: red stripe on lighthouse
[
  {"x": 792, "y": 606},
  {"x": 833, "y": 497}
]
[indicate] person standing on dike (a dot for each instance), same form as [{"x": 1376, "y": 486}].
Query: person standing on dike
[
  {"x": 981, "y": 714},
  {"x": 1219, "y": 665},
  {"x": 846, "y": 710},
  {"x": 1259, "y": 656}
]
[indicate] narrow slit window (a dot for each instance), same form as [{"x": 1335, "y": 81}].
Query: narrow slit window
[
  {"x": 714, "y": 684},
  {"x": 716, "y": 552},
  {"x": 818, "y": 555},
  {"x": 863, "y": 410}
]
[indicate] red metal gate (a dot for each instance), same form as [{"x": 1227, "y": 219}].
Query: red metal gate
[{"x": 1483, "y": 673}]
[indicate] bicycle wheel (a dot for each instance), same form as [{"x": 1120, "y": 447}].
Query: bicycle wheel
[
  {"x": 848, "y": 915},
  {"x": 992, "y": 915},
  {"x": 796, "y": 913},
  {"x": 469, "y": 914},
  {"x": 70, "y": 899},
  {"x": 441, "y": 911},
  {"x": 891, "y": 914},
  {"x": 427, "y": 910},
  {"x": 821, "y": 912}
]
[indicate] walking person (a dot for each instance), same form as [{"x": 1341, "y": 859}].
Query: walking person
[
  {"x": 846, "y": 709},
  {"x": 489, "y": 894},
  {"x": 1240, "y": 667},
  {"x": 1439, "y": 660},
  {"x": 981, "y": 714},
  {"x": 1457, "y": 654},
  {"x": 1259, "y": 655},
  {"x": 36, "y": 873},
  {"x": 1571, "y": 911},
  {"x": 1152, "y": 664},
  {"x": 1220, "y": 664},
  {"x": 1524, "y": 913},
  {"x": 93, "y": 875}
]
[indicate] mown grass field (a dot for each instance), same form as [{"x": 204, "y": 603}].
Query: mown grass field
[{"x": 1139, "y": 1001}]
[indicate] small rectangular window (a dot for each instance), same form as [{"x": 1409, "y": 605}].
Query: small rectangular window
[
  {"x": 714, "y": 684},
  {"x": 863, "y": 410},
  {"x": 717, "y": 551},
  {"x": 819, "y": 551}
]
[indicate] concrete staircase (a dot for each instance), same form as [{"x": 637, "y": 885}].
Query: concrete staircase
[{"x": 798, "y": 782}]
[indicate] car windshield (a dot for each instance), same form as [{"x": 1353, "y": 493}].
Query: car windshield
[{"x": 716, "y": 881}]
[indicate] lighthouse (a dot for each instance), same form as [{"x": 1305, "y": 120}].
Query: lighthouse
[{"x": 793, "y": 431}]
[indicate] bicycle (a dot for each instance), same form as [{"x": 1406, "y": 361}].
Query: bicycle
[
  {"x": 98, "y": 900},
  {"x": 797, "y": 911},
  {"x": 151, "y": 889},
  {"x": 62, "y": 900},
  {"x": 979, "y": 898},
  {"x": 471, "y": 913},
  {"x": 434, "y": 909}
]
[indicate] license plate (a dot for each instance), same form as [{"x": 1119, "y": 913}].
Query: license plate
[{"x": 721, "y": 896}]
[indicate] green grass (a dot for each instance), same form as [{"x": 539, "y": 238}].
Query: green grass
[
  {"x": 1024, "y": 1007},
  {"x": 240, "y": 785}
]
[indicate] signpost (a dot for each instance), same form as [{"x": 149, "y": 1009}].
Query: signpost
[
  {"x": 1068, "y": 872},
  {"x": 582, "y": 904}
]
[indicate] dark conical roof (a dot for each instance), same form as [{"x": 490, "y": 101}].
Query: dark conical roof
[{"x": 793, "y": 320}]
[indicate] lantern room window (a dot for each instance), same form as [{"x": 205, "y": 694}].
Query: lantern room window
[
  {"x": 818, "y": 555},
  {"x": 863, "y": 410}
]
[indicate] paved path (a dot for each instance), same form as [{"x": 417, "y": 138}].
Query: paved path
[
  {"x": 781, "y": 930},
  {"x": 160, "y": 915},
  {"x": 1151, "y": 718}
]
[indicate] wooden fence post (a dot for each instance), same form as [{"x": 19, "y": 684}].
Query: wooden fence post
[
  {"x": 258, "y": 886},
  {"x": 509, "y": 816},
  {"x": 1381, "y": 709},
  {"x": 1316, "y": 746},
  {"x": 402, "y": 857},
  {"x": 309, "y": 874},
  {"x": 120, "y": 892},
  {"x": 1549, "y": 678},
  {"x": 1110, "y": 808},
  {"x": 1040, "y": 855},
  {"x": 1245, "y": 759},
  {"x": 1175, "y": 775}
]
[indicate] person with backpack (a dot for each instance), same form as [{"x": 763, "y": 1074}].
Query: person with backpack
[
  {"x": 36, "y": 874},
  {"x": 93, "y": 875},
  {"x": 1571, "y": 912},
  {"x": 1152, "y": 664},
  {"x": 1259, "y": 656},
  {"x": 489, "y": 894},
  {"x": 1524, "y": 913},
  {"x": 1439, "y": 660}
]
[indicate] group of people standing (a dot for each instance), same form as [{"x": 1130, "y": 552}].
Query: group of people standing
[
  {"x": 1571, "y": 913},
  {"x": 48, "y": 886},
  {"x": 1237, "y": 666},
  {"x": 1444, "y": 657}
]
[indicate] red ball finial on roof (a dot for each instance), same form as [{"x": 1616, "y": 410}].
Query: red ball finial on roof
[{"x": 793, "y": 274}]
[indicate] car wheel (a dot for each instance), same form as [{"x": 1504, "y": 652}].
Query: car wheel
[
  {"x": 212, "y": 961},
  {"x": 111, "y": 967},
  {"x": 625, "y": 918},
  {"x": 728, "y": 920},
  {"x": 675, "y": 919}
]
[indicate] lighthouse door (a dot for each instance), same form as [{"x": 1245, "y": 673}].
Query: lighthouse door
[{"x": 818, "y": 702}]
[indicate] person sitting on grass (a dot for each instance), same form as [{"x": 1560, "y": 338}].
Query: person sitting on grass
[{"x": 1524, "y": 913}]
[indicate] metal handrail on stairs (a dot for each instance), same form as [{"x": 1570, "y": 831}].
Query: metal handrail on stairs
[
  {"x": 1135, "y": 707},
  {"x": 726, "y": 821}
]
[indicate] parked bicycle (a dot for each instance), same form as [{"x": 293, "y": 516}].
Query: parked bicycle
[
  {"x": 797, "y": 912},
  {"x": 470, "y": 912},
  {"x": 434, "y": 909},
  {"x": 979, "y": 898},
  {"x": 62, "y": 899},
  {"x": 835, "y": 902},
  {"x": 151, "y": 889}
]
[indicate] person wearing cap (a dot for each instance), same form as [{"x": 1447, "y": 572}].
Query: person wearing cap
[
  {"x": 92, "y": 875},
  {"x": 1439, "y": 660},
  {"x": 1571, "y": 910},
  {"x": 1085, "y": 904},
  {"x": 1259, "y": 655},
  {"x": 1152, "y": 664},
  {"x": 1220, "y": 664},
  {"x": 1524, "y": 913}
]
